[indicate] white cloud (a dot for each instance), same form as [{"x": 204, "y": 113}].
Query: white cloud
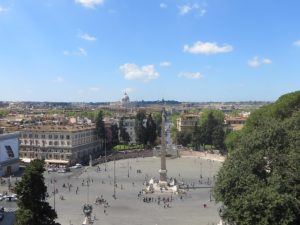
[
  {"x": 87, "y": 37},
  {"x": 191, "y": 75},
  {"x": 90, "y": 3},
  {"x": 184, "y": 9},
  {"x": 207, "y": 48},
  {"x": 94, "y": 89},
  {"x": 58, "y": 80},
  {"x": 132, "y": 71},
  {"x": 196, "y": 8},
  {"x": 163, "y": 5},
  {"x": 256, "y": 61},
  {"x": 165, "y": 64},
  {"x": 297, "y": 43},
  {"x": 78, "y": 52},
  {"x": 3, "y": 9}
]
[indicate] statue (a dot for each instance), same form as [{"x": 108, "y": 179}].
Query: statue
[{"x": 87, "y": 211}]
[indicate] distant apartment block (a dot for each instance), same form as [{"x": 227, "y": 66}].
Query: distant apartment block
[
  {"x": 187, "y": 122},
  {"x": 9, "y": 153},
  {"x": 234, "y": 122},
  {"x": 58, "y": 144}
]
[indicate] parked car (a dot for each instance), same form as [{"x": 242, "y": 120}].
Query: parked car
[{"x": 1, "y": 216}]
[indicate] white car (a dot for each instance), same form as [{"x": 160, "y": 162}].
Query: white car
[{"x": 77, "y": 165}]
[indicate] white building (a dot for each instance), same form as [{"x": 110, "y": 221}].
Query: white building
[{"x": 9, "y": 153}]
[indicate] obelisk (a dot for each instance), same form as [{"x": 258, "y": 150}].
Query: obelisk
[{"x": 163, "y": 166}]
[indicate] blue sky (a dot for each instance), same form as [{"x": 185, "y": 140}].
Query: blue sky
[{"x": 94, "y": 50}]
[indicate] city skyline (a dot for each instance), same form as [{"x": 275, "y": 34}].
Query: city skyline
[{"x": 196, "y": 51}]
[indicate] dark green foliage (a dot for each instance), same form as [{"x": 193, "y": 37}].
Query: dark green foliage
[
  {"x": 115, "y": 134},
  {"x": 218, "y": 137},
  {"x": 31, "y": 191},
  {"x": 140, "y": 130},
  {"x": 100, "y": 127},
  {"x": 150, "y": 131},
  {"x": 197, "y": 137},
  {"x": 259, "y": 182},
  {"x": 158, "y": 120},
  {"x": 123, "y": 133},
  {"x": 184, "y": 138},
  {"x": 209, "y": 130},
  {"x": 231, "y": 140}
]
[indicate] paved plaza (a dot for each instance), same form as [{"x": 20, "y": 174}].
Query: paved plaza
[
  {"x": 129, "y": 207},
  {"x": 192, "y": 208}
]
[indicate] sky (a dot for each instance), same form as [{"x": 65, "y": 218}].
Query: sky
[{"x": 95, "y": 50}]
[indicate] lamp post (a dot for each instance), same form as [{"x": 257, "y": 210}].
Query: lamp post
[
  {"x": 105, "y": 155},
  {"x": 114, "y": 195},
  {"x": 128, "y": 168}
]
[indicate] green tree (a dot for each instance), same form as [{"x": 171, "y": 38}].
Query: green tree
[
  {"x": 231, "y": 140},
  {"x": 218, "y": 136},
  {"x": 184, "y": 138},
  {"x": 197, "y": 137},
  {"x": 140, "y": 130},
  {"x": 158, "y": 120},
  {"x": 100, "y": 127},
  {"x": 151, "y": 134},
  {"x": 259, "y": 182},
  {"x": 123, "y": 132},
  {"x": 115, "y": 134},
  {"x": 31, "y": 191}
]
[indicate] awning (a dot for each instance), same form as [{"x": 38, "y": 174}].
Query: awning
[
  {"x": 56, "y": 161},
  {"x": 26, "y": 160}
]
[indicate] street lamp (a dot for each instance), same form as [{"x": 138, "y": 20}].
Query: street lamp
[{"x": 128, "y": 168}]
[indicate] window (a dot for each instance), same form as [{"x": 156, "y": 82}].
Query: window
[
  {"x": 50, "y": 136},
  {"x": 43, "y": 136},
  {"x": 36, "y": 136},
  {"x": 9, "y": 151},
  {"x": 30, "y": 135},
  {"x": 55, "y": 136},
  {"x": 62, "y": 136},
  {"x": 50, "y": 142}
]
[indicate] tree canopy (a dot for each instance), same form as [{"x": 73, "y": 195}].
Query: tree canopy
[
  {"x": 140, "y": 130},
  {"x": 100, "y": 127},
  {"x": 259, "y": 182},
  {"x": 31, "y": 191}
]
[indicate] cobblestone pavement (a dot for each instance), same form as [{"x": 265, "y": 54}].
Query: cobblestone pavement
[{"x": 127, "y": 209}]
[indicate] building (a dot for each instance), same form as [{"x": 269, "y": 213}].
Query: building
[
  {"x": 125, "y": 101},
  {"x": 59, "y": 144},
  {"x": 9, "y": 153},
  {"x": 187, "y": 122},
  {"x": 234, "y": 122},
  {"x": 129, "y": 125}
]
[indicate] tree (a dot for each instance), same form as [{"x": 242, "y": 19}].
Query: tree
[
  {"x": 140, "y": 130},
  {"x": 158, "y": 120},
  {"x": 123, "y": 133},
  {"x": 259, "y": 180},
  {"x": 100, "y": 127},
  {"x": 150, "y": 130},
  {"x": 184, "y": 138},
  {"x": 115, "y": 134},
  {"x": 218, "y": 137},
  {"x": 197, "y": 137},
  {"x": 31, "y": 191}
]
